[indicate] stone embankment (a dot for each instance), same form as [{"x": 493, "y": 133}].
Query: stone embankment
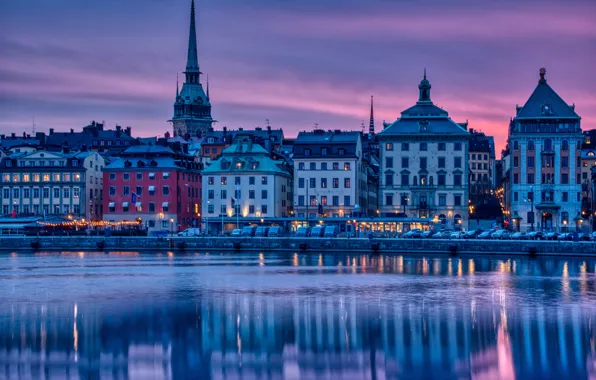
[{"x": 315, "y": 245}]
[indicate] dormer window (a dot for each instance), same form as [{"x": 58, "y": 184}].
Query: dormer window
[
  {"x": 211, "y": 140},
  {"x": 546, "y": 109},
  {"x": 323, "y": 151},
  {"x": 341, "y": 152},
  {"x": 307, "y": 152}
]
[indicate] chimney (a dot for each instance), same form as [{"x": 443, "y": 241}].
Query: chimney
[
  {"x": 13, "y": 135},
  {"x": 167, "y": 135},
  {"x": 51, "y": 131},
  {"x": 24, "y": 135},
  {"x": 225, "y": 130},
  {"x": 118, "y": 130},
  {"x": 269, "y": 129},
  {"x": 72, "y": 130},
  {"x": 128, "y": 131}
]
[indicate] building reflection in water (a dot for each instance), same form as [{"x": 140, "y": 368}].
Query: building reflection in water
[{"x": 312, "y": 334}]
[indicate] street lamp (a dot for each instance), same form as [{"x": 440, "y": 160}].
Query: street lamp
[{"x": 171, "y": 227}]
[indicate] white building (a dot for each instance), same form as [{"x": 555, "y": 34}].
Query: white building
[
  {"x": 52, "y": 183},
  {"x": 545, "y": 162},
  {"x": 329, "y": 175},
  {"x": 424, "y": 164},
  {"x": 244, "y": 186}
]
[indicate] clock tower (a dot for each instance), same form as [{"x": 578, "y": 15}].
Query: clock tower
[{"x": 192, "y": 107}]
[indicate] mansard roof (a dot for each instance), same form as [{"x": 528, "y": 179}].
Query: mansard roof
[{"x": 545, "y": 103}]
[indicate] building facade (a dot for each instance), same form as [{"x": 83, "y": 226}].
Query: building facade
[
  {"x": 481, "y": 163},
  {"x": 244, "y": 186},
  {"x": 329, "y": 175},
  {"x": 155, "y": 185},
  {"x": 424, "y": 164},
  {"x": 52, "y": 183},
  {"x": 192, "y": 106},
  {"x": 545, "y": 170}
]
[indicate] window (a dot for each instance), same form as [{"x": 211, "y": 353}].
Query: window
[
  {"x": 564, "y": 178},
  {"x": 346, "y": 166},
  {"x": 346, "y": 200},
  {"x": 46, "y": 178},
  {"x": 548, "y": 145},
  {"x": 210, "y": 194},
  {"x": 224, "y": 180},
  {"x": 307, "y": 152},
  {"x": 139, "y": 176},
  {"x": 564, "y": 162},
  {"x": 323, "y": 183},
  {"x": 251, "y": 180},
  {"x": 323, "y": 151},
  {"x": 301, "y": 166},
  {"x": 313, "y": 200},
  {"x": 125, "y": 176},
  {"x": 441, "y": 179},
  {"x": 389, "y": 146},
  {"x": 423, "y": 163},
  {"x": 126, "y": 190},
  {"x": 515, "y": 196},
  {"x": 473, "y": 156},
  {"x": 151, "y": 175},
  {"x": 263, "y": 209},
  {"x": 165, "y": 190},
  {"x": 324, "y": 200},
  {"x": 441, "y": 162},
  {"x": 457, "y": 146},
  {"x": 210, "y": 180},
  {"x": 515, "y": 145},
  {"x": 224, "y": 194},
  {"x": 346, "y": 183},
  {"x": 442, "y": 146},
  {"x": 335, "y": 183},
  {"x": 530, "y": 179},
  {"x": 139, "y": 190},
  {"x": 565, "y": 145},
  {"x": 457, "y": 200},
  {"x": 26, "y": 177},
  {"x": 236, "y": 180},
  {"x": 457, "y": 179},
  {"x": 237, "y": 193},
  {"x": 389, "y": 179},
  {"x": 313, "y": 166},
  {"x": 264, "y": 180},
  {"x": 442, "y": 200},
  {"x": 405, "y": 147},
  {"x": 457, "y": 162},
  {"x": 166, "y": 175},
  {"x": 251, "y": 194},
  {"x": 530, "y": 161},
  {"x": 515, "y": 178},
  {"x": 301, "y": 183},
  {"x": 263, "y": 194},
  {"x": 35, "y": 193},
  {"x": 405, "y": 162},
  {"x": 27, "y": 192},
  {"x": 335, "y": 200},
  {"x": 312, "y": 183},
  {"x": 405, "y": 179},
  {"x": 565, "y": 197},
  {"x": 323, "y": 166},
  {"x": 15, "y": 192},
  {"x": 531, "y": 145},
  {"x": 389, "y": 199},
  {"x": 151, "y": 206},
  {"x": 515, "y": 162},
  {"x": 336, "y": 166},
  {"x": 423, "y": 147},
  {"x": 341, "y": 151},
  {"x": 388, "y": 162},
  {"x": 301, "y": 200}
]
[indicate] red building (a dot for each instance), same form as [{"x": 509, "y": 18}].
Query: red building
[{"x": 155, "y": 185}]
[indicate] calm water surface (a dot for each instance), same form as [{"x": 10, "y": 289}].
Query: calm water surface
[{"x": 293, "y": 316}]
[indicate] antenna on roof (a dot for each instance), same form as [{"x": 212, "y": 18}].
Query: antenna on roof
[
  {"x": 33, "y": 129},
  {"x": 362, "y": 126},
  {"x": 267, "y": 121},
  {"x": 316, "y": 125}
]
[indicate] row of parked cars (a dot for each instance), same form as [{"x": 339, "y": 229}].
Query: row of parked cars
[
  {"x": 497, "y": 234},
  {"x": 276, "y": 231}
]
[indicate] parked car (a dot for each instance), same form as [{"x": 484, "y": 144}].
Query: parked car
[
  {"x": 427, "y": 234},
  {"x": 519, "y": 236},
  {"x": 190, "y": 232},
  {"x": 565, "y": 236},
  {"x": 275, "y": 231},
  {"x": 303, "y": 231},
  {"x": 583, "y": 236},
  {"x": 593, "y": 236},
  {"x": 500, "y": 235},
  {"x": 236, "y": 232},
  {"x": 331, "y": 231},
  {"x": 456, "y": 235},
  {"x": 249, "y": 231},
  {"x": 550, "y": 236},
  {"x": 472, "y": 234},
  {"x": 261, "y": 231},
  {"x": 485, "y": 234},
  {"x": 415, "y": 233},
  {"x": 437, "y": 235},
  {"x": 535, "y": 235},
  {"x": 317, "y": 231}
]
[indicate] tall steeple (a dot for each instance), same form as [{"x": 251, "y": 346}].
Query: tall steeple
[
  {"x": 177, "y": 90},
  {"x": 424, "y": 89},
  {"x": 371, "y": 124},
  {"x": 192, "y": 61}
]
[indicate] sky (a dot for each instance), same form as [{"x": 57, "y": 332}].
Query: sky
[{"x": 64, "y": 63}]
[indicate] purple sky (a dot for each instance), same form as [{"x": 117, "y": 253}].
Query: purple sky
[{"x": 296, "y": 63}]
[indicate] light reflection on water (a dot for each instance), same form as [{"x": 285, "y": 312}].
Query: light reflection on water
[{"x": 295, "y": 316}]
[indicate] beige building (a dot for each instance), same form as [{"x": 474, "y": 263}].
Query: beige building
[
  {"x": 424, "y": 164},
  {"x": 52, "y": 183}
]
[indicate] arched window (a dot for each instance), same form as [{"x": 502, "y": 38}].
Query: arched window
[
  {"x": 548, "y": 145},
  {"x": 565, "y": 145},
  {"x": 443, "y": 219},
  {"x": 591, "y": 154},
  {"x": 457, "y": 220},
  {"x": 531, "y": 145}
]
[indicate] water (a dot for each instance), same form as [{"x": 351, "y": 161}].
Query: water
[{"x": 293, "y": 316}]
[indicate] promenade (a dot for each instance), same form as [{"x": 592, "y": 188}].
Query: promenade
[{"x": 293, "y": 244}]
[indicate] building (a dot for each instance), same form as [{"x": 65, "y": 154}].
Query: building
[
  {"x": 192, "y": 107},
  {"x": 424, "y": 164},
  {"x": 92, "y": 137},
  {"x": 214, "y": 142},
  {"x": 52, "y": 183},
  {"x": 545, "y": 170},
  {"x": 482, "y": 165},
  {"x": 588, "y": 163},
  {"x": 244, "y": 186},
  {"x": 329, "y": 175},
  {"x": 156, "y": 185}
]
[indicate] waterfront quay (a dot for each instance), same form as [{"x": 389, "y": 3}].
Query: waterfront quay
[{"x": 295, "y": 244}]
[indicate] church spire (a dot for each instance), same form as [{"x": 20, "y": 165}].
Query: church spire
[
  {"x": 207, "y": 94},
  {"x": 371, "y": 125},
  {"x": 192, "y": 61},
  {"x": 177, "y": 90}
]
